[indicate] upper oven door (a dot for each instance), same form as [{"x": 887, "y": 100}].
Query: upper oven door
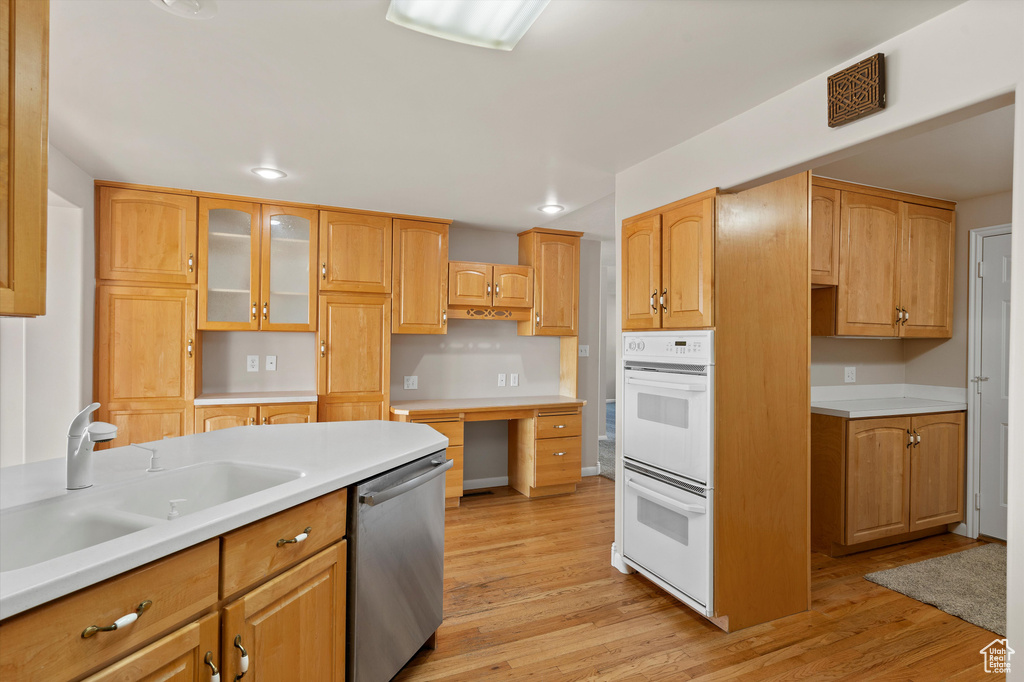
[{"x": 667, "y": 420}]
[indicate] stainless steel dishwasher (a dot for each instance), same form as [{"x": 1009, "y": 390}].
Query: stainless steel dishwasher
[{"x": 396, "y": 565}]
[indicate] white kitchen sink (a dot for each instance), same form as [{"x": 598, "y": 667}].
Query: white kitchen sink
[{"x": 33, "y": 533}]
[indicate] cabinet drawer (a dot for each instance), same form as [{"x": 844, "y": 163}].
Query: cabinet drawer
[
  {"x": 559, "y": 425},
  {"x": 453, "y": 477},
  {"x": 558, "y": 461},
  {"x": 46, "y": 643},
  {"x": 252, "y": 553},
  {"x": 453, "y": 430}
]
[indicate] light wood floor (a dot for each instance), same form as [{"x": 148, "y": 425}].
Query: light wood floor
[{"x": 530, "y": 594}]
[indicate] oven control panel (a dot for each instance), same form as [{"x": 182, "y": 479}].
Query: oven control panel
[{"x": 683, "y": 347}]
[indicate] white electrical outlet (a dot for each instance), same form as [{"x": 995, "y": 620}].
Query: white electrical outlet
[
  {"x": 584, "y": 351},
  {"x": 851, "y": 375},
  {"x": 513, "y": 379},
  {"x": 412, "y": 383},
  {"x": 501, "y": 379},
  {"x": 252, "y": 363},
  {"x": 271, "y": 364}
]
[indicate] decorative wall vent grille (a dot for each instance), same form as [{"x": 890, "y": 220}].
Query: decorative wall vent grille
[{"x": 856, "y": 91}]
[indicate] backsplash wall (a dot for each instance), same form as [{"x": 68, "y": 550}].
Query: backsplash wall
[{"x": 224, "y": 361}]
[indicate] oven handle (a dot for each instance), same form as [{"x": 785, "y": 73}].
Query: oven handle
[
  {"x": 666, "y": 384},
  {"x": 665, "y": 499}
]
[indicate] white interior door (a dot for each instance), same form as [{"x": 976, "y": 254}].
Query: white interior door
[{"x": 995, "y": 404}]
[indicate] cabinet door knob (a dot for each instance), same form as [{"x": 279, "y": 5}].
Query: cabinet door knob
[
  {"x": 918, "y": 438},
  {"x": 252, "y": 421},
  {"x": 214, "y": 673},
  {"x": 122, "y": 622},
  {"x": 538, "y": 320},
  {"x": 188, "y": 347},
  {"x": 254, "y": 310},
  {"x": 266, "y": 310},
  {"x": 323, "y": 270},
  {"x": 243, "y": 661},
  {"x": 191, "y": 262}
]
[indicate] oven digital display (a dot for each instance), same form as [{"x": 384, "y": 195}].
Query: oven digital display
[{"x": 680, "y": 343}]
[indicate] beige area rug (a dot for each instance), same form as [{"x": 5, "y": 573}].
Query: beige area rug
[{"x": 970, "y": 585}]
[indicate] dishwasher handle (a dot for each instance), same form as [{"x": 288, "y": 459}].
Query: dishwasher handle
[{"x": 385, "y": 495}]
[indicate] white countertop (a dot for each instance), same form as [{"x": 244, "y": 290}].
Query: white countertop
[
  {"x": 329, "y": 456},
  {"x": 255, "y": 398},
  {"x": 885, "y": 400}
]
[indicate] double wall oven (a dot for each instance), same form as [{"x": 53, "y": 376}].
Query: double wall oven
[{"x": 668, "y": 461}]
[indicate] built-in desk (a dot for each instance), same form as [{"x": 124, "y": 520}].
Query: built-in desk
[{"x": 544, "y": 452}]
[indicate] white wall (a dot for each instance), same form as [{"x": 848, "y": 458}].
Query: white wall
[
  {"x": 944, "y": 362},
  {"x": 46, "y": 362},
  {"x": 963, "y": 62},
  {"x": 224, "y": 361}
]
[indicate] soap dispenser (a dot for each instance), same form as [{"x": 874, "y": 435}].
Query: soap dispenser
[{"x": 173, "y": 514}]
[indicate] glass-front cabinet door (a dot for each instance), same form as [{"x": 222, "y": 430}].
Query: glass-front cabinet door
[
  {"x": 288, "y": 269},
  {"x": 229, "y": 264}
]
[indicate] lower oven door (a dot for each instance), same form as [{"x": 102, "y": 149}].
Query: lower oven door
[{"x": 667, "y": 535}]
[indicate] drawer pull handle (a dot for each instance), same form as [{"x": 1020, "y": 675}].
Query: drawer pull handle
[
  {"x": 214, "y": 673},
  {"x": 191, "y": 262},
  {"x": 323, "y": 349},
  {"x": 266, "y": 311},
  {"x": 559, "y": 426},
  {"x": 243, "y": 662},
  {"x": 254, "y": 310},
  {"x": 558, "y": 454},
  {"x": 298, "y": 538},
  {"x": 323, "y": 271},
  {"x": 122, "y": 622}
]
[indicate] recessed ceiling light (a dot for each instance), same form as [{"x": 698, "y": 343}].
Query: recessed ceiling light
[
  {"x": 269, "y": 173},
  {"x": 497, "y": 24},
  {"x": 551, "y": 208},
  {"x": 189, "y": 9}
]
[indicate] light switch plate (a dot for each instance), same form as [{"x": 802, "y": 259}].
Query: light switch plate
[
  {"x": 252, "y": 363},
  {"x": 501, "y": 379},
  {"x": 412, "y": 383},
  {"x": 271, "y": 364},
  {"x": 513, "y": 379},
  {"x": 584, "y": 351},
  {"x": 850, "y": 375}
]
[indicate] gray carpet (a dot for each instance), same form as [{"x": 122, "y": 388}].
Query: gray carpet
[
  {"x": 970, "y": 585},
  {"x": 606, "y": 448}
]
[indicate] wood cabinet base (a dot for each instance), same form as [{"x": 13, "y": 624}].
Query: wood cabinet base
[{"x": 836, "y": 549}]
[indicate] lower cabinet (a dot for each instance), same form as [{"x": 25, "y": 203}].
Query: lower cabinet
[
  {"x": 216, "y": 417},
  {"x": 881, "y": 480},
  {"x": 453, "y": 430},
  {"x": 189, "y": 654},
  {"x": 545, "y": 454},
  {"x": 293, "y": 627}
]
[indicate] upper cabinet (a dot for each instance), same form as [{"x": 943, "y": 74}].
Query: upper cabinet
[
  {"x": 554, "y": 256},
  {"x": 146, "y": 236},
  {"x": 668, "y": 259},
  {"x": 355, "y": 252},
  {"x": 256, "y": 266},
  {"x": 490, "y": 285},
  {"x": 419, "y": 277},
  {"x": 24, "y": 25},
  {"x": 895, "y": 263}
]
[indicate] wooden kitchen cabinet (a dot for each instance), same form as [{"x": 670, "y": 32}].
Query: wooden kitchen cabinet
[
  {"x": 355, "y": 252},
  {"x": 554, "y": 256},
  {"x": 825, "y": 211},
  {"x": 668, "y": 264},
  {"x": 453, "y": 430},
  {"x": 419, "y": 277},
  {"x": 179, "y": 657},
  {"x": 145, "y": 360},
  {"x": 895, "y": 267},
  {"x": 25, "y": 27},
  {"x": 489, "y": 285},
  {"x": 292, "y": 627},
  {"x": 216, "y": 417},
  {"x": 145, "y": 236},
  {"x": 544, "y": 454},
  {"x": 354, "y": 356},
  {"x": 257, "y": 266},
  {"x": 884, "y": 480}
]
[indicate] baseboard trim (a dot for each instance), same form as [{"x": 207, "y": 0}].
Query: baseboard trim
[
  {"x": 609, "y": 400},
  {"x": 477, "y": 483},
  {"x": 592, "y": 471}
]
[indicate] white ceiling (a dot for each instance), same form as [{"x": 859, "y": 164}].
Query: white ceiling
[
  {"x": 362, "y": 113},
  {"x": 964, "y": 160}
]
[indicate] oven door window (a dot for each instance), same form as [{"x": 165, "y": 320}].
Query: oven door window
[
  {"x": 672, "y": 525},
  {"x": 673, "y": 412}
]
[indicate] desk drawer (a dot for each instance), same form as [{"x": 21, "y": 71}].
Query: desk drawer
[
  {"x": 453, "y": 477},
  {"x": 252, "y": 553},
  {"x": 557, "y": 462},
  {"x": 46, "y": 643},
  {"x": 451, "y": 429},
  {"x": 559, "y": 425}
]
